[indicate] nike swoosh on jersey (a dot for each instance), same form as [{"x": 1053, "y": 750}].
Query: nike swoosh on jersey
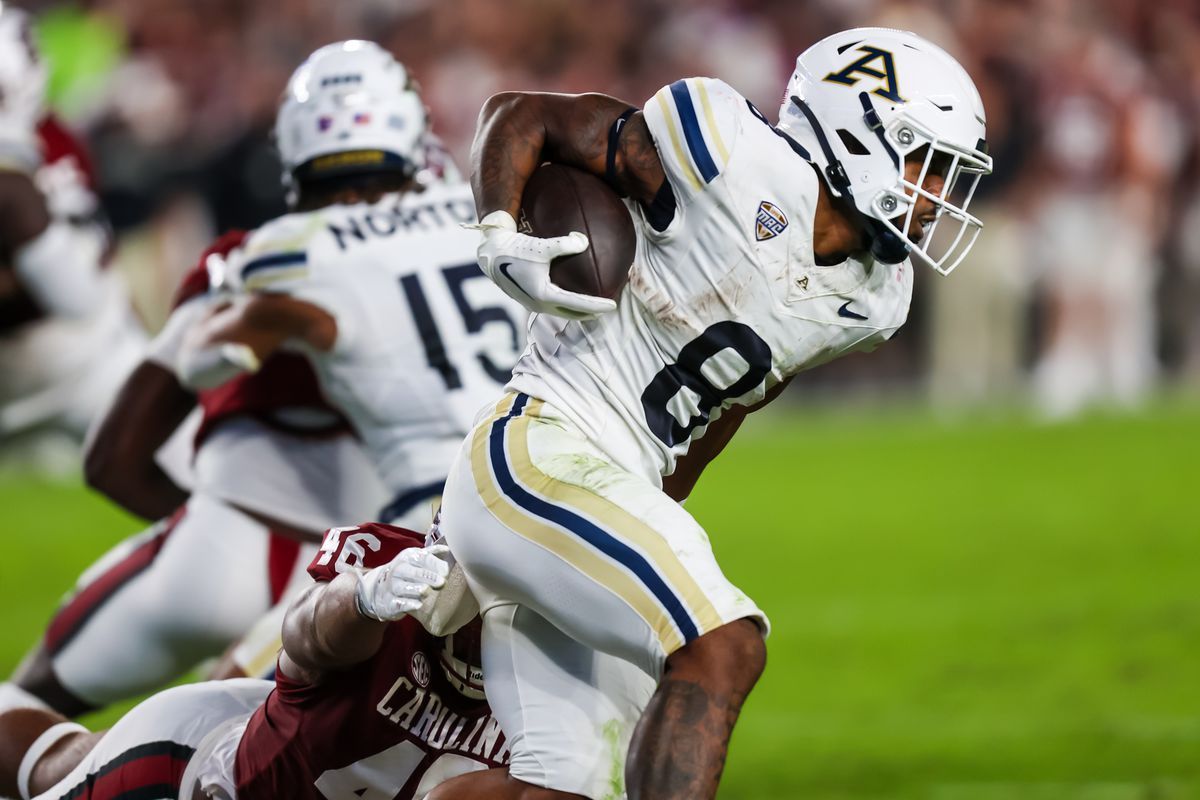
[{"x": 843, "y": 310}]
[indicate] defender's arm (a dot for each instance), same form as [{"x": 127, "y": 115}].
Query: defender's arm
[
  {"x": 341, "y": 622},
  {"x": 323, "y": 630},
  {"x": 517, "y": 131},
  {"x": 119, "y": 456},
  {"x": 240, "y": 337}
]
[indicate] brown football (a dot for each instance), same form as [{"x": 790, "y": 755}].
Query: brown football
[{"x": 560, "y": 199}]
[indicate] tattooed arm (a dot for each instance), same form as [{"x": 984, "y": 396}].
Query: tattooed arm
[{"x": 517, "y": 131}]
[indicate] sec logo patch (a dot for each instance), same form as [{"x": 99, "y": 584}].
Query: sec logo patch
[
  {"x": 420, "y": 669},
  {"x": 769, "y": 222}
]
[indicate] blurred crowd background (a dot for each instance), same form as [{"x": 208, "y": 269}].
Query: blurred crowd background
[{"x": 1083, "y": 290}]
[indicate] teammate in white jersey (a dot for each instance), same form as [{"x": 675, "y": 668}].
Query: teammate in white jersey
[
  {"x": 373, "y": 278},
  {"x": 762, "y": 250}
]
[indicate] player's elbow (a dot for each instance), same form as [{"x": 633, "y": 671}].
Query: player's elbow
[
  {"x": 299, "y": 632},
  {"x": 112, "y": 475},
  {"x": 97, "y": 469},
  {"x": 106, "y": 464},
  {"x": 510, "y": 110}
]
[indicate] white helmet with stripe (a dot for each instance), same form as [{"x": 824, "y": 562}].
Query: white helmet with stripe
[
  {"x": 350, "y": 108},
  {"x": 22, "y": 89},
  {"x": 862, "y": 102}
]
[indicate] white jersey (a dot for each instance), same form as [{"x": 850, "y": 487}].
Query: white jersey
[
  {"x": 424, "y": 339},
  {"x": 723, "y": 303}
]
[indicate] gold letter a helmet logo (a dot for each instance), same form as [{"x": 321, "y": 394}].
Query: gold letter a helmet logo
[{"x": 875, "y": 63}]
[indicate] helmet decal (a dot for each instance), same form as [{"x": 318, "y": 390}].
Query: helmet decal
[
  {"x": 350, "y": 108},
  {"x": 890, "y": 88},
  {"x": 878, "y": 154}
]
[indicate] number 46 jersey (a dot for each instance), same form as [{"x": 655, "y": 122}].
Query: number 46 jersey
[
  {"x": 424, "y": 339},
  {"x": 725, "y": 299}
]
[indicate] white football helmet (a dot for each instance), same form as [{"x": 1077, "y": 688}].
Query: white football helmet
[
  {"x": 22, "y": 89},
  {"x": 861, "y": 102},
  {"x": 350, "y": 108}
]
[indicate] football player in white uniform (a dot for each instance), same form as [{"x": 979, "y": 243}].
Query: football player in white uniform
[
  {"x": 762, "y": 250},
  {"x": 373, "y": 278},
  {"x": 273, "y": 466},
  {"x": 68, "y": 334}
]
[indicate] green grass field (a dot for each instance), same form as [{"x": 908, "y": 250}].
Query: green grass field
[{"x": 978, "y": 611}]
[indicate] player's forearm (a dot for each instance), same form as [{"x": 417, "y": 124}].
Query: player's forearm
[
  {"x": 506, "y": 151},
  {"x": 324, "y": 630},
  {"x": 517, "y": 131},
  {"x": 119, "y": 459},
  {"x": 149, "y": 494},
  {"x": 241, "y": 336}
]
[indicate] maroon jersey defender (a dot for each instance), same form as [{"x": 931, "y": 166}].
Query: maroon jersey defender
[
  {"x": 273, "y": 464},
  {"x": 285, "y": 387},
  {"x": 393, "y": 726},
  {"x": 406, "y": 717},
  {"x": 68, "y": 186}
]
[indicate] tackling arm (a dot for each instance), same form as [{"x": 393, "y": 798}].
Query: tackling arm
[
  {"x": 323, "y": 630},
  {"x": 239, "y": 337},
  {"x": 341, "y": 622},
  {"x": 119, "y": 455}
]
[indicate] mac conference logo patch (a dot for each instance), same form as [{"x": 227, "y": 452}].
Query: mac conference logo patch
[{"x": 769, "y": 222}]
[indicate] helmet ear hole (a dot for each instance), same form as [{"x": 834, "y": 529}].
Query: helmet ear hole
[{"x": 853, "y": 145}]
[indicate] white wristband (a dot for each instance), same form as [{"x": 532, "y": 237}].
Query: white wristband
[{"x": 50, "y": 737}]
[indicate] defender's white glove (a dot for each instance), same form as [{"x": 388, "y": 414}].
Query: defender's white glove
[
  {"x": 520, "y": 265},
  {"x": 397, "y": 588}
]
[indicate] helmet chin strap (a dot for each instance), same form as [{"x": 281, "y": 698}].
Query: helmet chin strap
[{"x": 885, "y": 246}]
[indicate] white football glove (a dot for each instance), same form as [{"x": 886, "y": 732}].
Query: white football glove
[
  {"x": 520, "y": 265},
  {"x": 397, "y": 588}
]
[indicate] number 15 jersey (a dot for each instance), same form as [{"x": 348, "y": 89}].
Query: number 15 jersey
[
  {"x": 424, "y": 339},
  {"x": 724, "y": 301}
]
